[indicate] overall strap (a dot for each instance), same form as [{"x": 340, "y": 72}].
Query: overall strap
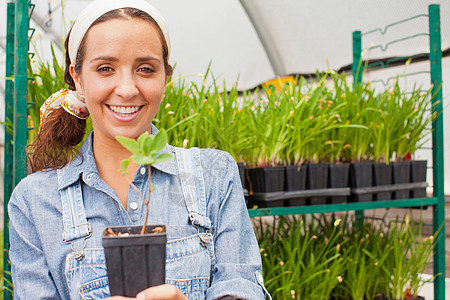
[
  {"x": 75, "y": 223},
  {"x": 193, "y": 185}
]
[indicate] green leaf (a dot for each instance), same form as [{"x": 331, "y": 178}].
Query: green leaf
[
  {"x": 164, "y": 157},
  {"x": 123, "y": 166},
  {"x": 130, "y": 144},
  {"x": 143, "y": 160},
  {"x": 147, "y": 146},
  {"x": 142, "y": 139},
  {"x": 160, "y": 140}
]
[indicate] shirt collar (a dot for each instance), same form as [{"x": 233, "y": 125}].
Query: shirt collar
[
  {"x": 84, "y": 163},
  {"x": 170, "y": 166}
]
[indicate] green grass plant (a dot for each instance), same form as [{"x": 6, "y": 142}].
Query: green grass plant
[
  {"x": 411, "y": 254},
  {"x": 1, "y": 260},
  {"x": 411, "y": 119},
  {"x": 228, "y": 129},
  {"x": 267, "y": 122},
  {"x": 310, "y": 123},
  {"x": 323, "y": 256},
  {"x": 298, "y": 261},
  {"x": 9, "y": 285},
  {"x": 365, "y": 255}
]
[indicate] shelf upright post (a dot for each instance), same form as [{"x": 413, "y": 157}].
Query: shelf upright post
[
  {"x": 357, "y": 78},
  {"x": 20, "y": 90},
  {"x": 8, "y": 149},
  {"x": 438, "y": 149},
  {"x": 16, "y": 111},
  {"x": 357, "y": 62}
]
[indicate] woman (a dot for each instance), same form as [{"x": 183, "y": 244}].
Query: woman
[{"x": 117, "y": 69}]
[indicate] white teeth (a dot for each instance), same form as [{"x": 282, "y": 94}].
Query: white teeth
[{"x": 124, "y": 110}]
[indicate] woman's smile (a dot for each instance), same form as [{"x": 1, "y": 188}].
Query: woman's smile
[{"x": 124, "y": 113}]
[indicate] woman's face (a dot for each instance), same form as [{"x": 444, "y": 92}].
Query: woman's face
[{"x": 122, "y": 77}]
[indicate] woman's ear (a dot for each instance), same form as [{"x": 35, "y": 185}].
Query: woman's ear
[
  {"x": 76, "y": 79},
  {"x": 169, "y": 73}
]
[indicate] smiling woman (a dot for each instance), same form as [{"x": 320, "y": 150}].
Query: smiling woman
[
  {"x": 117, "y": 69},
  {"x": 122, "y": 77}
]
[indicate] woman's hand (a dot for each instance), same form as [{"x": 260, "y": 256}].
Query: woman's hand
[{"x": 160, "y": 292}]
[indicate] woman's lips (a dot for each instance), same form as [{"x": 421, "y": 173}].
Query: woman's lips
[{"x": 124, "y": 113}]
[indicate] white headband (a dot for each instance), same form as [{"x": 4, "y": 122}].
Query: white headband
[{"x": 98, "y": 8}]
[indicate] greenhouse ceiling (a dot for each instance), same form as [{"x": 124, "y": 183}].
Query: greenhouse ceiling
[{"x": 256, "y": 40}]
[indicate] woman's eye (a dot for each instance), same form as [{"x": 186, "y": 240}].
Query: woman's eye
[
  {"x": 104, "y": 69},
  {"x": 146, "y": 70}
]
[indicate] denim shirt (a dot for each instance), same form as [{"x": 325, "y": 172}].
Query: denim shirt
[{"x": 44, "y": 265}]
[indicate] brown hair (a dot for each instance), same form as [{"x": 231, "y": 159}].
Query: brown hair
[{"x": 56, "y": 142}]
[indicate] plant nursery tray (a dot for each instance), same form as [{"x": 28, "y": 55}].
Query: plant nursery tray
[
  {"x": 299, "y": 194},
  {"x": 388, "y": 188}
]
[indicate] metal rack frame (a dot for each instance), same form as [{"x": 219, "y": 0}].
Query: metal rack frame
[
  {"x": 16, "y": 111},
  {"x": 437, "y": 201}
]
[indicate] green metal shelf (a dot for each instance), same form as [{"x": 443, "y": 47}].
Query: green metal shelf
[
  {"x": 437, "y": 201},
  {"x": 435, "y": 57},
  {"x": 313, "y": 209}
]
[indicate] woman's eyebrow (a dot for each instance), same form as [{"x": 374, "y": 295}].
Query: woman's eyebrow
[
  {"x": 147, "y": 58},
  {"x": 105, "y": 58}
]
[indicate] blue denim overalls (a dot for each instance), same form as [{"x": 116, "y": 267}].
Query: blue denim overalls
[{"x": 190, "y": 251}]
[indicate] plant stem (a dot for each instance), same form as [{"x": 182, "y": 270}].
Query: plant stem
[
  {"x": 149, "y": 171},
  {"x": 143, "y": 199}
]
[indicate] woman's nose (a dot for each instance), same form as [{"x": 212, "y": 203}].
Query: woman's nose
[{"x": 126, "y": 87}]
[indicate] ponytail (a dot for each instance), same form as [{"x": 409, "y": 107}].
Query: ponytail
[{"x": 56, "y": 142}]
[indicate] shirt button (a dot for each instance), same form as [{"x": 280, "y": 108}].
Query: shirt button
[
  {"x": 142, "y": 171},
  {"x": 133, "y": 205},
  {"x": 89, "y": 177}
]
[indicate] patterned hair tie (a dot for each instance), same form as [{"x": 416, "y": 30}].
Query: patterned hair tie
[{"x": 69, "y": 100}]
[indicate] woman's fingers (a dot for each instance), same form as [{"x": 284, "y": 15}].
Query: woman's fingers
[{"x": 161, "y": 292}]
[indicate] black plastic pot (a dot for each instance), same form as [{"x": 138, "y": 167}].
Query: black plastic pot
[
  {"x": 317, "y": 179},
  {"x": 265, "y": 179},
  {"x": 401, "y": 173},
  {"x": 415, "y": 298},
  {"x": 295, "y": 180},
  {"x": 418, "y": 174},
  {"x": 241, "y": 167},
  {"x": 382, "y": 175},
  {"x": 269, "y": 203},
  {"x": 338, "y": 178},
  {"x": 360, "y": 177},
  {"x": 135, "y": 262},
  {"x": 249, "y": 203}
]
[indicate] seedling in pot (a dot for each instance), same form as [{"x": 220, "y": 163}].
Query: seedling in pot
[{"x": 145, "y": 152}]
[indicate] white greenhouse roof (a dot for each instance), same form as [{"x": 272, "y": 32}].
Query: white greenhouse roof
[{"x": 299, "y": 36}]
